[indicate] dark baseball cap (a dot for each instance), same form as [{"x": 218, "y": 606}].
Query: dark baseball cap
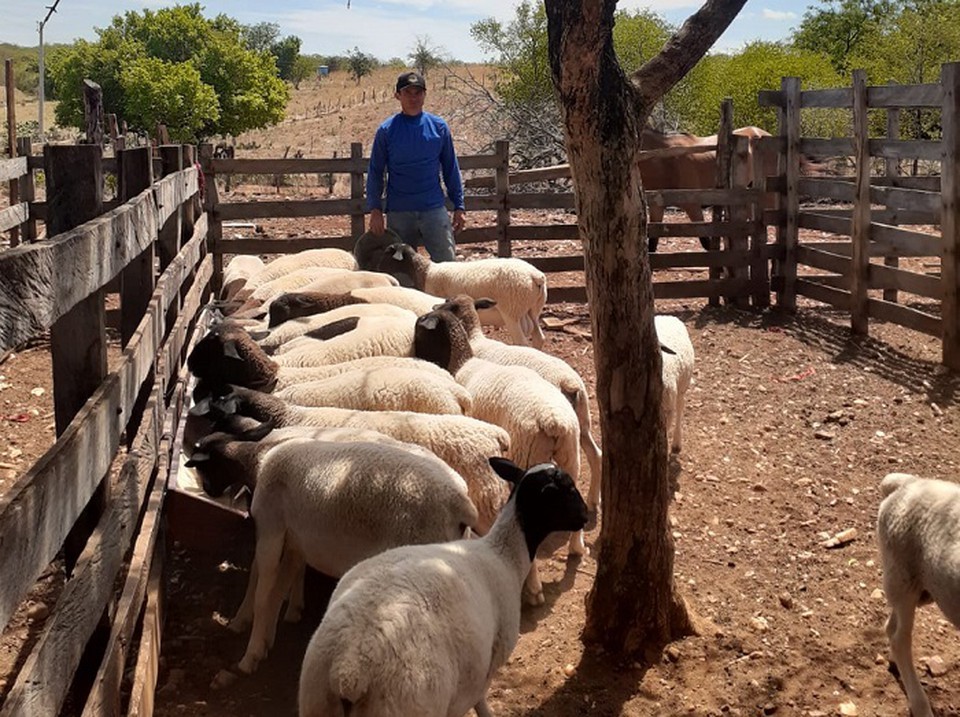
[{"x": 411, "y": 79}]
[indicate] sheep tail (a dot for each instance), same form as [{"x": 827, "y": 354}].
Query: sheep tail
[{"x": 892, "y": 481}]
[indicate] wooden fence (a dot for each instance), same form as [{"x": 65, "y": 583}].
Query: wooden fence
[{"x": 95, "y": 497}]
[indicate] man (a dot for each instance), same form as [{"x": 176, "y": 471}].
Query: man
[{"x": 414, "y": 148}]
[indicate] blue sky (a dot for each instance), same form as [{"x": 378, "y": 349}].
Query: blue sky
[{"x": 384, "y": 28}]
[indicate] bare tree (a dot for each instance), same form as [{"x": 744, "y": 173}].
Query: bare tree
[{"x": 634, "y": 607}]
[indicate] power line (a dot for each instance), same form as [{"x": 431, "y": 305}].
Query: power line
[{"x": 50, "y": 10}]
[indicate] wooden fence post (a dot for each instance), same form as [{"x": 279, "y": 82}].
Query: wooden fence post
[
  {"x": 135, "y": 174},
  {"x": 357, "y": 221},
  {"x": 93, "y": 112},
  {"x": 891, "y": 169},
  {"x": 28, "y": 189},
  {"x": 501, "y": 182},
  {"x": 215, "y": 226},
  {"x": 14, "y": 184},
  {"x": 738, "y": 213},
  {"x": 860, "y": 264},
  {"x": 171, "y": 158},
  {"x": 189, "y": 210},
  {"x": 788, "y": 233},
  {"x": 950, "y": 215},
  {"x": 719, "y": 212},
  {"x": 759, "y": 267}
]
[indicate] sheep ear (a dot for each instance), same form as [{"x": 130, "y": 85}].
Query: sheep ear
[
  {"x": 506, "y": 469},
  {"x": 258, "y": 335},
  {"x": 484, "y": 304},
  {"x": 202, "y": 408},
  {"x": 256, "y": 433},
  {"x": 428, "y": 322},
  {"x": 667, "y": 350},
  {"x": 230, "y": 349},
  {"x": 398, "y": 253},
  {"x": 196, "y": 459}
]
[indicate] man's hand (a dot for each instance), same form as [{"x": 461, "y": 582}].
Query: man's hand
[
  {"x": 459, "y": 220},
  {"x": 376, "y": 222}
]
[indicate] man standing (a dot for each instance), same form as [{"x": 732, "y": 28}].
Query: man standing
[{"x": 414, "y": 148}]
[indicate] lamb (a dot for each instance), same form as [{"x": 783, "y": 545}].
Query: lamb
[
  {"x": 422, "y": 630},
  {"x": 229, "y": 355},
  {"x": 328, "y": 257},
  {"x": 463, "y": 443},
  {"x": 519, "y": 288},
  {"x": 541, "y": 423},
  {"x": 295, "y": 304},
  {"x": 387, "y": 388},
  {"x": 332, "y": 505},
  {"x": 349, "y": 339},
  {"x": 237, "y": 273},
  {"x": 553, "y": 369},
  {"x": 677, "y": 356},
  {"x": 289, "y": 330},
  {"x": 918, "y": 532}
]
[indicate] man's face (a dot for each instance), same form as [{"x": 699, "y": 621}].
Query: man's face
[{"x": 411, "y": 100}]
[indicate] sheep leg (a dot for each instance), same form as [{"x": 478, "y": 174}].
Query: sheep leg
[
  {"x": 516, "y": 333},
  {"x": 536, "y": 336},
  {"x": 590, "y": 449},
  {"x": 482, "y": 709},
  {"x": 244, "y": 616},
  {"x": 295, "y": 600},
  {"x": 678, "y": 423},
  {"x": 533, "y": 587},
  {"x": 266, "y": 602},
  {"x": 576, "y": 545},
  {"x": 900, "y": 633}
]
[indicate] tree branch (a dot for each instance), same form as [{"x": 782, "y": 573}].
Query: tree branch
[{"x": 684, "y": 49}]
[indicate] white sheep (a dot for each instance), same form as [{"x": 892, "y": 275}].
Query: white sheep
[
  {"x": 677, "y": 357},
  {"x": 257, "y": 303},
  {"x": 552, "y": 368},
  {"x": 422, "y": 630},
  {"x": 237, "y": 273},
  {"x": 294, "y": 328},
  {"x": 349, "y": 339},
  {"x": 332, "y": 505},
  {"x": 287, "y": 376},
  {"x": 282, "y": 265},
  {"x": 518, "y": 287},
  {"x": 541, "y": 423},
  {"x": 918, "y": 531},
  {"x": 387, "y": 388},
  {"x": 464, "y": 443}
]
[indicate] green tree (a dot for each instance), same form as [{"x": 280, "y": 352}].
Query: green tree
[
  {"x": 285, "y": 52},
  {"x": 248, "y": 92},
  {"x": 303, "y": 68},
  {"x": 171, "y": 93},
  {"x": 260, "y": 37},
  {"x": 360, "y": 64},
  {"x": 839, "y": 28},
  {"x": 424, "y": 56}
]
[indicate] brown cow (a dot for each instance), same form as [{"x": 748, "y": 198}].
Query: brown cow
[{"x": 692, "y": 171}]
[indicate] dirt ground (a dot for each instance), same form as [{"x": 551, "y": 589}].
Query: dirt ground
[{"x": 790, "y": 425}]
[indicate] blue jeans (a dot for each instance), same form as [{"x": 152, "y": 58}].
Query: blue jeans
[{"x": 431, "y": 229}]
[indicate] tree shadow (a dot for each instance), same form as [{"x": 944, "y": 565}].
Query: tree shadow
[{"x": 814, "y": 328}]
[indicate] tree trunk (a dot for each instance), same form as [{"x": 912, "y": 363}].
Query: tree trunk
[{"x": 633, "y": 606}]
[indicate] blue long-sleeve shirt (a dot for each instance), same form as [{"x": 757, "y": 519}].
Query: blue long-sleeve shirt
[{"x": 413, "y": 152}]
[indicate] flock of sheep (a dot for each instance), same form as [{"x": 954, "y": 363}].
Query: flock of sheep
[{"x": 377, "y": 427}]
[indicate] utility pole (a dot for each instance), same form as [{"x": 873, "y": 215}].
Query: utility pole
[{"x": 50, "y": 10}]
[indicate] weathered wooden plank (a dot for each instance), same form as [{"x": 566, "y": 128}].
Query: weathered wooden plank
[
  {"x": 173, "y": 191},
  {"x": 905, "y": 149},
  {"x": 14, "y": 216},
  {"x": 840, "y": 97},
  {"x": 36, "y": 513},
  {"x": 478, "y": 161},
  {"x": 534, "y": 232},
  {"x": 701, "y": 229},
  {"x": 889, "y": 216},
  {"x": 534, "y": 200},
  {"x": 929, "y": 95},
  {"x": 523, "y": 176},
  {"x": 343, "y": 165},
  {"x": 914, "y": 200},
  {"x": 290, "y": 245},
  {"x": 137, "y": 277},
  {"x": 828, "y": 261},
  {"x": 12, "y": 168},
  {"x": 771, "y": 98},
  {"x": 825, "y": 222},
  {"x": 950, "y": 212},
  {"x": 41, "y": 281},
  {"x": 704, "y": 197},
  {"x": 230, "y": 211},
  {"x": 357, "y": 226},
  {"x": 816, "y": 148},
  {"x": 891, "y": 278},
  {"x": 789, "y": 201},
  {"x": 820, "y": 188},
  {"x": 905, "y": 316},
  {"x": 860, "y": 229},
  {"x": 891, "y": 171},
  {"x": 42, "y": 683},
  {"x": 502, "y": 191},
  {"x": 825, "y": 294},
  {"x": 903, "y": 242},
  {"x": 143, "y": 691}
]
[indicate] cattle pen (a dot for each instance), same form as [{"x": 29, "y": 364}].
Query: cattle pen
[{"x": 98, "y": 500}]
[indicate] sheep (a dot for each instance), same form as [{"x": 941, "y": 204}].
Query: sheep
[
  {"x": 519, "y": 288},
  {"x": 541, "y": 423},
  {"x": 463, "y": 443},
  {"x": 229, "y": 355},
  {"x": 387, "y": 388},
  {"x": 295, "y": 304},
  {"x": 237, "y": 272},
  {"x": 553, "y": 369},
  {"x": 421, "y": 630},
  {"x": 258, "y": 303},
  {"x": 677, "y": 356},
  {"x": 332, "y": 505},
  {"x": 349, "y": 339},
  {"x": 918, "y": 532},
  {"x": 282, "y": 265},
  {"x": 289, "y": 330}
]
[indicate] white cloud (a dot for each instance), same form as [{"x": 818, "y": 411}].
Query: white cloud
[{"x": 769, "y": 14}]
